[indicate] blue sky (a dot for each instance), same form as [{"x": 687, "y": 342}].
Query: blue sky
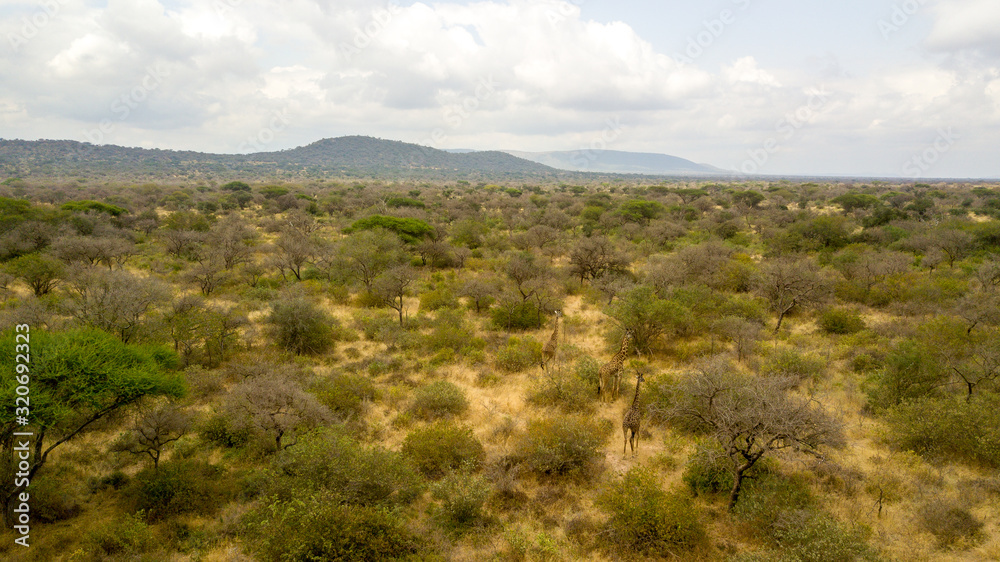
[{"x": 903, "y": 88}]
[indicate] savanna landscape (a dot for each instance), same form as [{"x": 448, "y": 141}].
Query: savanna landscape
[{"x": 233, "y": 365}]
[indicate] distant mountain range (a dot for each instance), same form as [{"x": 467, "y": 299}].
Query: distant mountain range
[
  {"x": 343, "y": 156},
  {"x": 618, "y": 162}
]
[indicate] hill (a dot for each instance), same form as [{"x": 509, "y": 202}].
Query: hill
[
  {"x": 618, "y": 162},
  {"x": 354, "y": 155}
]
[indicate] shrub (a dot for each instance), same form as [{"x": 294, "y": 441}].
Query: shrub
[
  {"x": 561, "y": 445},
  {"x": 331, "y": 463},
  {"x": 439, "y": 399},
  {"x": 643, "y": 519},
  {"x": 949, "y": 523},
  {"x": 452, "y": 331},
  {"x": 707, "y": 470},
  {"x": 789, "y": 363},
  {"x": 948, "y": 427},
  {"x": 911, "y": 372},
  {"x": 178, "y": 487},
  {"x": 438, "y": 298},
  {"x": 57, "y": 496},
  {"x": 519, "y": 354},
  {"x": 344, "y": 394},
  {"x": 319, "y": 528},
  {"x": 840, "y": 321},
  {"x": 125, "y": 537},
  {"x": 765, "y": 498},
  {"x": 220, "y": 430},
  {"x": 812, "y": 536},
  {"x": 569, "y": 391},
  {"x": 441, "y": 447},
  {"x": 518, "y": 316},
  {"x": 302, "y": 327},
  {"x": 462, "y": 498}
]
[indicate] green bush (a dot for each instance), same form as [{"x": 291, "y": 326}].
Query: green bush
[
  {"x": 439, "y": 399},
  {"x": 179, "y": 487},
  {"x": 221, "y": 431},
  {"x": 437, "y": 299},
  {"x": 410, "y": 231},
  {"x": 317, "y": 527},
  {"x": 643, "y": 519},
  {"x": 948, "y": 427},
  {"x": 462, "y": 497},
  {"x": 329, "y": 462},
  {"x": 951, "y": 524},
  {"x": 708, "y": 470},
  {"x": 561, "y": 445},
  {"x": 840, "y": 321},
  {"x": 519, "y": 354},
  {"x": 301, "y": 327},
  {"x": 791, "y": 364},
  {"x": 345, "y": 394},
  {"x": 911, "y": 372},
  {"x": 452, "y": 331},
  {"x": 813, "y": 536},
  {"x": 441, "y": 447},
  {"x": 570, "y": 391},
  {"x": 521, "y": 316},
  {"x": 765, "y": 498},
  {"x": 126, "y": 537}
]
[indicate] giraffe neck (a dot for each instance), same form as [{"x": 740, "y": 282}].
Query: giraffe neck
[
  {"x": 624, "y": 350},
  {"x": 635, "y": 401}
]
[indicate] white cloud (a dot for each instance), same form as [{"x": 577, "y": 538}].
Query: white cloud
[
  {"x": 746, "y": 70},
  {"x": 966, "y": 24},
  {"x": 416, "y": 73}
]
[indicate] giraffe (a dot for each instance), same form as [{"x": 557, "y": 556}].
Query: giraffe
[
  {"x": 610, "y": 375},
  {"x": 631, "y": 419},
  {"x": 549, "y": 352}
]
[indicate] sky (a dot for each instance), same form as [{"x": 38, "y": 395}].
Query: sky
[{"x": 887, "y": 88}]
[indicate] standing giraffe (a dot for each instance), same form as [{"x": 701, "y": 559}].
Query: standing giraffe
[
  {"x": 632, "y": 418},
  {"x": 549, "y": 351},
  {"x": 610, "y": 375}
]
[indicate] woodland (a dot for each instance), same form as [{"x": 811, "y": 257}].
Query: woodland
[{"x": 621, "y": 368}]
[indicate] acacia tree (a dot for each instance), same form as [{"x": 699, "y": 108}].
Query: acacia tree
[
  {"x": 276, "y": 405},
  {"x": 76, "y": 378},
  {"x": 648, "y": 316},
  {"x": 153, "y": 428},
  {"x": 114, "y": 301},
  {"x": 595, "y": 256},
  {"x": 368, "y": 253},
  {"x": 750, "y": 417},
  {"x": 392, "y": 287},
  {"x": 789, "y": 284}
]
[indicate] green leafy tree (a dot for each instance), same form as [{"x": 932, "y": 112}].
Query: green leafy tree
[
  {"x": 75, "y": 378},
  {"x": 41, "y": 273},
  {"x": 647, "y": 315},
  {"x": 410, "y": 231}
]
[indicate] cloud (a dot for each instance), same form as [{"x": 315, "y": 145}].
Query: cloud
[
  {"x": 966, "y": 24},
  {"x": 535, "y": 75}
]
